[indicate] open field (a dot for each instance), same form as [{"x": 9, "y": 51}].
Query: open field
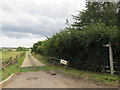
[
  {"x": 9, "y": 58},
  {"x": 6, "y": 55},
  {"x": 11, "y": 68}
]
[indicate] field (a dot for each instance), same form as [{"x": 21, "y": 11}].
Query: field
[
  {"x": 8, "y": 54},
  {"x": 10, "y": 68}
]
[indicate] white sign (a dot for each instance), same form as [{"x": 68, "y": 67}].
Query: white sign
[{"x": 63, "y": 62}]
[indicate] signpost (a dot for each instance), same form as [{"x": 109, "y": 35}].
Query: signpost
[
  {"x": 110, "y": 58},
  {"x": 64, "y": 62}
]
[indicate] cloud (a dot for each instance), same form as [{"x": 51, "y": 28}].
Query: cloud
[
  {"x": 25, "y": 42},
  {"x": 40, "y": 18},
  {"x": 18, "y": 35},
  {"x": 41, "y": 25}
]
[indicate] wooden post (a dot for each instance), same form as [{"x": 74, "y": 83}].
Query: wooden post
[
  {"x": 4, "y": 68},
  {"x": 111, "y": 59},
  {"x": 11, "y": 60},
  {"x": 16, "y": 58}
]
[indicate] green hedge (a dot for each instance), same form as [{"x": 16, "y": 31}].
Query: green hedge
[{"x": 84, "y": 49}]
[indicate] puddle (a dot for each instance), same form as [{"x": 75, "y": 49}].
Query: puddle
[{"x": 53, "y": 74}]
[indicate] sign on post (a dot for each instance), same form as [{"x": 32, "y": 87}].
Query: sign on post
[
  {"x": 63, "y": 62},
  {"x": 110, "y": 58}
]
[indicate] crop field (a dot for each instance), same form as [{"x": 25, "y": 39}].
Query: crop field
[
  {"x": 6, "y": 55},
  {"x": 9, "y": 57},
  {"x": 10, "y": 61}
]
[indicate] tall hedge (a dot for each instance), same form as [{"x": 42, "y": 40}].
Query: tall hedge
[{"x": 84, "y": 49}]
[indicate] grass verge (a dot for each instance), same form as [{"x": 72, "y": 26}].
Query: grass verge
[
  {"x": 87, "y": 75},
  {"x": 15, "y": 68},
  {"x": 12, "y": 68}
]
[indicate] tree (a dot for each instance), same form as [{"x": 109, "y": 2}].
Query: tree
[
  {"x": 105, "y": 12},
  {"x": 37, "y": 46},
  {"x": 21, "y": 49},
  {"x": 98, "y": 25},
  {"x": 118, "y": 16},
  {"x": 84, "y": 49}
]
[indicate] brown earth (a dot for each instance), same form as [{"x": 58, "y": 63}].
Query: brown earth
[
  {"x": 31, "y": 61},
  {"x": 49, "y": 79}
]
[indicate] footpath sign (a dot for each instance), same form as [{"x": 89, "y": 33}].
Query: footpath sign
[{"x": 64, "y": 62}]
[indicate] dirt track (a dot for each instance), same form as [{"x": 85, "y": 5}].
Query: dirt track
[
  {"x": 47, "y": 79},
  {"x": 31, "y": 61}
]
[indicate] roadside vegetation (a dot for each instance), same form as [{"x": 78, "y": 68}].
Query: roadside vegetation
[
  {"x": 12, "y": 68},
  {"x": 14, "y": 65},
  {"x": 8, "y": 54},
  {"x": 82, "y": 43},
  {"x": 21, "y": 49},
  {"x": 10, "y": 60},
  {"x": 86, "y": 75}
]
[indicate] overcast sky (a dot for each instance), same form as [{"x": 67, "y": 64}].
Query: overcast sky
[{"x": 25, "y": 22}]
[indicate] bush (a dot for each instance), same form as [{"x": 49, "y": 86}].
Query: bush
[
  {"x": 84, "y": 49},
  {"x": 21, "y": 49}
]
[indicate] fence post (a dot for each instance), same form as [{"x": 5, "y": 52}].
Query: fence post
[
  {"x": 16, "y": 58},
  {"x": 10, "y": 60},
  {"x": 4, "y": 68},
  {"x": 110, "y": 58}
]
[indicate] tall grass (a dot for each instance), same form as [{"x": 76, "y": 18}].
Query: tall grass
[{"x": 8, "y": 54}]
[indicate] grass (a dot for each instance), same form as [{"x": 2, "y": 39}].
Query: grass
[
  {"x": 8, "y": 54},
  {"x": 99, "y": 77},
  {"x": 5, "y": 57},
  {"x": 87, "y": 75},
  {"x": 12, "y": 68},
  {"x": 15, "y": 68}
]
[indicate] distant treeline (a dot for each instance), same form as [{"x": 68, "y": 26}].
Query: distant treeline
[
  {"x": 16, "y": 49},
  {"x": 82, "y": 43}
]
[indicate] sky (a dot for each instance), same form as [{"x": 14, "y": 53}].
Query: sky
[{"x": 24, "y": 22}]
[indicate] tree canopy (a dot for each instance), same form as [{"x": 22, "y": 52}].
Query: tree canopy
[
  {"x": 105, "y": 12},
  {"x": 21, "y": 49}
]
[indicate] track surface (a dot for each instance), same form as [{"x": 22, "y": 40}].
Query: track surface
[
  {"x": 47, "y": 79},
  {"x": 31, "y": 61}
]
